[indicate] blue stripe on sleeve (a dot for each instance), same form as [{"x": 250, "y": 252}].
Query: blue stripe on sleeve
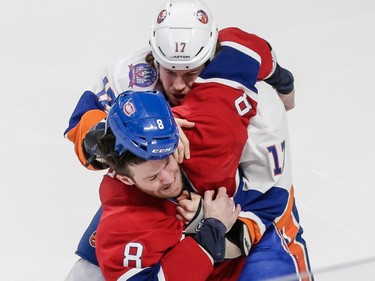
[
  {"x": 149, "y": 273},
  {"x": 266, "y": 206},
  {"x": 87, "y": 102},
  {"x": 232, "y": 64}
]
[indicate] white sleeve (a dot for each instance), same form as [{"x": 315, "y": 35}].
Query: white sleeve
[
  {"x": 127, "y": 73},
  {"x": 133, "y": 73},
  {"x": 267, "y": 148}
]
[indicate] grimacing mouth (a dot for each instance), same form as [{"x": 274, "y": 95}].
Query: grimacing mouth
[{"x": 169, "y": 185}]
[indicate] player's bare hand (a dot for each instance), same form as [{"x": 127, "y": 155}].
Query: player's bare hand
[
  {"x": 222, "y": 207},
  {"x": 187, "y": 206},
  {"x": 288, "y": 100},
  {"x": 183, "y": 149}
]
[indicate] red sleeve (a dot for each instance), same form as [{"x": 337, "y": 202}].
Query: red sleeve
[
  {"x": 186, "y": 262},
  {"x": 219, "y": 135},
  {"x": 253, "y": 42}
]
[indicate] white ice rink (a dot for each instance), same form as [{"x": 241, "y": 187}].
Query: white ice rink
[{"x": 50, "y": 51}]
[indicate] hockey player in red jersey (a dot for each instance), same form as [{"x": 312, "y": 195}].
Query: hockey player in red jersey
[
  {"x": 233, "y": 41},
  {"x": 139, "y": 237}
]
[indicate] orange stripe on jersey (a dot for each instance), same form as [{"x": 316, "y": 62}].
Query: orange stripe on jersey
[
  {"x": 288, "y": 210},
  {"x": 254, "y": 230},
  {"x": 291, "y": 228},
  {"x": 78, "y": 133},
  {"x": 300, "y": 255}
]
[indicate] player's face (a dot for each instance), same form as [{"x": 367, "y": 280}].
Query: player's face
[
  {"x": 177, "y": 83},
  {"x": 158, "y": 178}
]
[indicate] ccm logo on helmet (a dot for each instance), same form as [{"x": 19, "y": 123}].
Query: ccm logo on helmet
[{"x": 163, "y": 150}]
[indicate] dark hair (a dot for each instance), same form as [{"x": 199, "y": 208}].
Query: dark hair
[{"x": 119, "y": 163}]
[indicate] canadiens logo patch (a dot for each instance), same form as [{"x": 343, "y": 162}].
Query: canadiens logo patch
[
  {"x": 162, "y": 15},
  {"x": 141, "y": 75},
  {"x": 202, "y": 16},
  {"x": 128, "y": 108},
  {"x": 199, "y": 225},
  {"x": 92, "y": 239}
]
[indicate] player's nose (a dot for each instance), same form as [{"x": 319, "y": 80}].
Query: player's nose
[{"x": 179, "y": 83}]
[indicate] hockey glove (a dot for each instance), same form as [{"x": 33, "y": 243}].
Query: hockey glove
[
  {"x": 238, "y": 241},
  {"x": 90, "y": 147}
]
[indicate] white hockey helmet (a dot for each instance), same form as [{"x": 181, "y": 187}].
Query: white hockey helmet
[{"x": 184, "y": 35}]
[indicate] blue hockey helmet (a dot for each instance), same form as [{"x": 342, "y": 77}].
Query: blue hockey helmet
[{"x": 143, "y": 123}]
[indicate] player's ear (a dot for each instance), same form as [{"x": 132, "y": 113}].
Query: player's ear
[{"x": 125, "y": 179}]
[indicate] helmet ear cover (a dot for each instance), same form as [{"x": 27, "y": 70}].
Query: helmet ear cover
[
  {"x": 143, "y": 123},
  {"x": 184, "y": 35}
]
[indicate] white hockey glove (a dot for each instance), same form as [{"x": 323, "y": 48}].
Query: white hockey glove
[{"x": 237, "y": 241}]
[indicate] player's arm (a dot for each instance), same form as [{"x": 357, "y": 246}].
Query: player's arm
[
  {"x": 176, "y": 264},
  {"x": 86, "y": 115},
  {"x": 270, "y": 70},
  {"x": 283, "y": 81},
  {"x": 218, "y": 137},
  {"x": 260, "y": 210},
  {"x": 91, "y": 108},
  {"x": 220, "y": 214},
  {"x": 221, "y": 104}
]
